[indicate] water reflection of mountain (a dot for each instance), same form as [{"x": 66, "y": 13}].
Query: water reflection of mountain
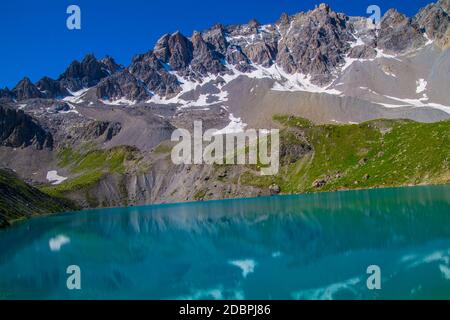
[{"x": 310, "y": 225}]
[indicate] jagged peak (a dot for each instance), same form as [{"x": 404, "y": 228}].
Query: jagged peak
[
  {"x": 253, "y": 23},
  {"x": 89, "y": 57},
  {"x": 283, "y": 19},
  {"x": 323, "y": 7},
  {"x": 394, "y": 14},
  {"x": 24, "y": 82},
  {"x": 217, "y": 26}
]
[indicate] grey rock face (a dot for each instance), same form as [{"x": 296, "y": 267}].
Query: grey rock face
[
  {"x": 110, "y": 65},
  {"x": 175, "y": 50},
  {"x": 86, "y": 73},
  {"x": 216, "y": 38},
  {"x": 51, "y": 88},
  {"x": 399, "y": 33},
  {"x": 25, "y": 89},
  {"x": 97, "y": 129},
  {"x": 315, "y": 43},
  {"x": 6, "y": 95},
  {"x": 77, "y": 76},
  {"x": 205, "y": 59},
  {"x": 153, "y": 74},
  {"x": 18, "y": 129},
  {"x": 362, "y": 52},
  {"x": 435, "y": 19},
  {"x": 236, "y": 57},
  {"x": 122, "y": 84},
  {"x": 261, "y": 53}
]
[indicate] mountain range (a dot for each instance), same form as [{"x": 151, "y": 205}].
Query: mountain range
[{"x": 98, "y": 134}]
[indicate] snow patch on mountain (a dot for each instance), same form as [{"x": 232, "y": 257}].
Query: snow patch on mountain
[
  {"x": 76, "y": 96},
  {"x": 421, "y": 85},
  {"x": 119, "y": 102},
  {"x": 54, "y": 178},
  {"x": 420, "y": 103},
  {"x": 235, "y": 126}
]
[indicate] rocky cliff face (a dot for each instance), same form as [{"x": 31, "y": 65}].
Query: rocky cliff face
[
  {"x": 18, "y": 129},
  {"x": 87, "y": 73},
  {"x": 51, "y": 88},
  {"x": 25, "y": 89},
  {"x": 315, "y": 43},
  {"x": 435, "y": 20},
  {"x": 6, "y": 95}
]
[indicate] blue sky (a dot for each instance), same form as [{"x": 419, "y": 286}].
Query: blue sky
[{"x": 35, "y": 41}]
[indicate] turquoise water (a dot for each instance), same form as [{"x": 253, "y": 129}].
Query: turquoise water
[{"x": 315, "y": 246}]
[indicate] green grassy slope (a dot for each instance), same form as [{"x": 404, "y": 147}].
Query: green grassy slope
[
  {"x": 379, "y": 153},
  {"x": 18, "y": 200},
  {"x": 89, "y": 166}
]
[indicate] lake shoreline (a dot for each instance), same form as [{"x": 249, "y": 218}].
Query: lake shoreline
[{"x": 174, "y": 204}]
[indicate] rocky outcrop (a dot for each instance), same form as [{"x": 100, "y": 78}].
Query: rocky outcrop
[
  {"x": 261, "y": 53},
  {"x": 110, "y": 65},
  {"x": 399, "y": 33},
  {"x": 87, "y": 73},
  {"x": 6, "y": 95},
  {"x": 435, "y": 19},
  {"x": 104, "y": 129},
  {"x": 121, "y": 85},
  {"x": 238, "y": 59},
  {"x": 216, "y": 38},
  {"x": 149, "y": 70},
  {"x": 205, "y": 60},
  {"x": 19, "y": 130},
  {"x": 315, "y": 43},
  {"x": 175, "y": 50},
  {"x": 51, "y": 88},
  {"x": 362, "y": 52},
  {"x": 25, "y": 89}
]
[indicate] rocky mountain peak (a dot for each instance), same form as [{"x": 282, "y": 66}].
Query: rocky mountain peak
[
  {"x": 86, "y": 73},
  {"x": 205, "y": 59},
  {"x": 6, "y": 94},
  {"x": 51, "y": 88},
  {"x": 323, "y": 7},
  {"x": 315, "y": 43},
  {"x": 399, "y": 33},
  {"x": 111, "y": 65},
  {"x": 216, "y": 38},
  {"x": 25, "y": 89},
  {"x": 197, "y": 39},
  {"x": 444, "y": 4},
  {"x": 393, "y": 17},
  {"x": 435, "y": 20},
  {"x": 284, "y": 19},
  {"x": 18, "y": 129},
  {"x": 177, "y": 51},
  {"x": 253, "y": 23}
]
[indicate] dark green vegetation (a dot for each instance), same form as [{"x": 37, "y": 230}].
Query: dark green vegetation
[
  {"x": 18, "y": 200},
  {"x": 378, "y": 153}
]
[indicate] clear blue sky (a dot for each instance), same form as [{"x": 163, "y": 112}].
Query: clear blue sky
[{"x": 35, "y": 41}]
